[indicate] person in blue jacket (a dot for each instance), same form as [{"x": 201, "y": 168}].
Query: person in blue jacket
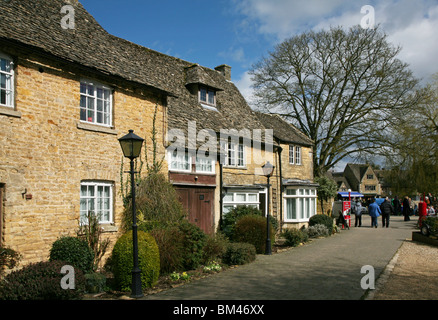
[{"x": 374, "y": 212}]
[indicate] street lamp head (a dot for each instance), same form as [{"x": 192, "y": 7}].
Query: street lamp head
[
  {"x": 268, "y": 169},
  {"x": 131, "y": 145}
]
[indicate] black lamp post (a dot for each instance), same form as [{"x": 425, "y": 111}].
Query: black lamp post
[
  {"x": 268, "y": 169},
  {"x": 131, "y": 146}
]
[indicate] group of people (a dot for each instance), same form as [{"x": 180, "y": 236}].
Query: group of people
[{"x": 385, "y": 209}]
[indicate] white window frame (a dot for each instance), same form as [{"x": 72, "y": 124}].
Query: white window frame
[
  {"x": 291, "y": 154},
  {"x": 298, "y": 155},
  {"x": 210, "y": 94},
  {"x": 181, "y": 159},
  {"x": 10, "y": 85},
  {"x": 305, "y": 203},
  {"x": 95, "y": 198},
  {"x": 295, "y": 154},
  {"x": 235, "y": 154},
  {"x": 202, "y": 162},
  {"x": 96, "y": 85},
  {"x": 234, "y": 202}
]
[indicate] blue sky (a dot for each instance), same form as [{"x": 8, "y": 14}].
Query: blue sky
[{"x": 240, "y": 32}]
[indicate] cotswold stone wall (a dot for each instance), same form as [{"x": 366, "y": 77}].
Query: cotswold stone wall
[
  {"x": 251, "y": 174},
  {"x": 46, "y": 152}
]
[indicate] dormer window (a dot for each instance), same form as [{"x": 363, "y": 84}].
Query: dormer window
[{"x": 207, "y": 96}]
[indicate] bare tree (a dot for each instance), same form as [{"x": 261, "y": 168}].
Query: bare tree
[
  {"x": 339, "y": 87},
  {"x": 413, "y": 153}
]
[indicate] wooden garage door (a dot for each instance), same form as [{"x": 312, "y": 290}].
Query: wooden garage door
[{"x": 199, "y": 203}]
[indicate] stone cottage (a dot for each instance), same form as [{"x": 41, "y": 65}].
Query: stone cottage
[{"x": 70, "y": 90}]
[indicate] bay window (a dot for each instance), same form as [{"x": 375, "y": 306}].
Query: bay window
[{"x": 300, "y": 204}]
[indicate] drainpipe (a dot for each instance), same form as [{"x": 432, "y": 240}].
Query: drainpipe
[{"x": 279, "y": 149}]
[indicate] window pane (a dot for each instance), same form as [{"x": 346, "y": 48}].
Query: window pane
[
  {"x": 240, "y": 160},
  {"x": 3, "y": 81},
  {"x": 99, "y": 117},
  {"x": 291, "y": 209},
  {"x": 83, "y": 191},
  {"x": 99, "y": 105},
  {"x": 2, "y": 97},
  {"x": 307, "y": 208},
  {"x": 312, "y": 207},
  {"x": 252, "y": 197},
  {"x": 211, "y": 97},
  {"x": 240, "y": 197},
  {"x": 291, "y": 191},
  {"x": 83, "y": 88},
  {"x": 229, "y": 197},
  {"x": 203, "y": 94}
]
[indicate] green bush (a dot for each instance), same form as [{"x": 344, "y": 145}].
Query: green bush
[
  {"x": 215, "y": 247},
  {"x": 170, "y": 241},
  {"x": 193, "y": 243},
  {"x": 318, "y": 230},
  {"x": 252, "y": 229},
  {"x": 41, "y": 281},
  {"x": 294, "y": 237},
  {"x": 95, "y": 282},
  {"x": 322, "y": 219},
  {"x": 74, "y": 251},
  {"x": 122, "y": 260},
  {"x": 9, "y": 258},
  {"x": 239, "y": 253},
  {"x": 229, "y": 220},
  {"x": 156, "y": 200}
]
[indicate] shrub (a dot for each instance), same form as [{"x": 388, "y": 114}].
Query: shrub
[
  {"x": 193, "y": 243},
  {"x": 239, "y": 253},
  {"x": 215, "y": 247},
  {"x": 8, "y": 258},
  {"x": 95, "y": 282},
  {"x": 92, "y": 233},
  {"x": 322, "y": 219},
  {"x": 122, "y": 261},
  {"x": 170, "y": 241},
  {"x": 318, "y": 230},
  {"x": 294, "y": 237},
  {"x": 156, "y": 200},
  {"x": 74, "y": 251},
  {"x": 252, "y": 229},
  {"x": 41, "y": 281},
  {"x": 230, "y": 219}
]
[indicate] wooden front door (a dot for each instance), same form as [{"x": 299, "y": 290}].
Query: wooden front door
[{"x": 199, "y": 203}]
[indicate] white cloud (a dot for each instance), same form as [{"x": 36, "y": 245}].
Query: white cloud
[
  {"x": 235, "y": 54},
  {"x": 244, "y": 86},
  {"x": 410, "y": 24}
]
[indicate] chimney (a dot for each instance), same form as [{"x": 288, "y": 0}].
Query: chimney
[{"x": 225, "y": 70}]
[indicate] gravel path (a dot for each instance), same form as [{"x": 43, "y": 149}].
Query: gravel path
[{"x": 411, "y": 275}]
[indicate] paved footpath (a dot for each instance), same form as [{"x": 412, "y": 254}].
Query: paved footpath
[{"x": 328, "y": 268}]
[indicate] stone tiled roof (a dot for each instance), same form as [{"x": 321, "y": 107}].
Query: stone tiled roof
[
  {"x": 37, "y": 25},
  {"x": 283, "y": 130}
]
